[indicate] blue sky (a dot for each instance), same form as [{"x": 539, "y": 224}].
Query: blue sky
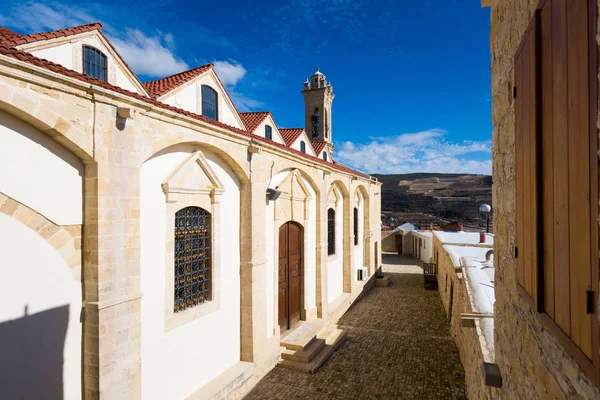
[{"x": 411, "y": 78}]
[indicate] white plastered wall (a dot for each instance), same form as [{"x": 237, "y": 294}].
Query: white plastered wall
[
  {"x": 40, "y": 303},
  {"x": 39, "y": 173},
  {"x": 186, "y": 97},
  {"x": 178, "y": 362},
  {"x": 40, "y": 299},
  {"x": 335, "y": 262}
]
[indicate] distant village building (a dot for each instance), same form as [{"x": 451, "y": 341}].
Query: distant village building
[{"x": 154, "y": 241}]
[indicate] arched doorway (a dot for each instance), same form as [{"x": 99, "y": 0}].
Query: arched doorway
[{"x": 291, "y": 251}]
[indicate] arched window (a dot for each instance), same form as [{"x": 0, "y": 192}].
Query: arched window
[
  {"x": 268, "y": 132},
  {"x": 94, "y": 63},
  {"x": 325, "y": 156},
  {"x": 302, "y": 146},
  {"x": 355, "y": 226},
  {"x": 192, "y": 258},
  {"x": 330, "y": 231},
  {"x": 210, "y": 103}
]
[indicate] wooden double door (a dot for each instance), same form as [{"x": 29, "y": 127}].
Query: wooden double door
[{"x": 291, "y": 241}]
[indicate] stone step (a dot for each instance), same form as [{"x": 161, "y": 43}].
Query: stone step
[
  {"x": 335, "y": 337},
  {"x": 304, "y": 356},
  {"x": 303, "y": 336}
]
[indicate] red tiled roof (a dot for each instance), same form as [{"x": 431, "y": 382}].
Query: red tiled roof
[
  {"x": 15, "y": 39},
  {"x": 290, "y": 135},
  {"x": 318, "y": 146},
  {"x": 8, "y": 37},
  {"x": 42, "y": 63},
  {"x": 164, "y": 85},
  {"x": 253, "y": 119}
]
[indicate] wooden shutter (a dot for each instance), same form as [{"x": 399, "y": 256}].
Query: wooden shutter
[
  {"x": 527, "y": 159},
  {"x": 556, "y": 167}
]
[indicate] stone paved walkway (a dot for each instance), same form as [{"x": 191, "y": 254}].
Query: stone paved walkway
[{"x": 398, "y": 347}]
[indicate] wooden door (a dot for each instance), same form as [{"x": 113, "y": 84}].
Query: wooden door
[{"x": 291, "y": 240}]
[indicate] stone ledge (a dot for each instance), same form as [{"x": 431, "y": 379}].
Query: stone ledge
[{"x": 226, "y": 383}]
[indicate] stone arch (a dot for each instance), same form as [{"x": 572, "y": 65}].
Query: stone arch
[
  {"x": 168, "y": 146},
  {"x": 71, "y": 137},
  {"x": 346, "y": 233},
  {"x": 66, "y": 239}
]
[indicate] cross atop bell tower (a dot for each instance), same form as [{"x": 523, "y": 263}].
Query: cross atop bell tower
[{"x": 318, "y": 96}]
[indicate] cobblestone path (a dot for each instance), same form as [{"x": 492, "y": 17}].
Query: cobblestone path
[{"x": 398, "y": 347}]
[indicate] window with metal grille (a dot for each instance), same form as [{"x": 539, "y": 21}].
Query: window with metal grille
[
  {"x": 355, "y": 226},
  {"x": 303, "y": 146},
  {"x": 94, "y": 63},
  {"x": 210, "y": 103},
  {"x": 324, "y": 156},
  {"x": 268, "y": 132},
  {"x": 330, "y": 231},
  {"x": 192, "y": 257}
]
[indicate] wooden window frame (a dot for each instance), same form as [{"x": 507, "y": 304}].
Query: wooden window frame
[
  {"x": 84, "y": 47},
  {"x": 590, "y": 367}
]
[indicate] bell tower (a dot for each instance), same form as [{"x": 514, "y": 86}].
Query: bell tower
[{"x": 318, "y": 96}]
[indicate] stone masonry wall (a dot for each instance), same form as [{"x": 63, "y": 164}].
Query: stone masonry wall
[
  {"x": 532, "y": 362},
  {"x": 452, "y": 289}
]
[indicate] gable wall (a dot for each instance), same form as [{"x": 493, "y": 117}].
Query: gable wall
[{"x": 70, "y": 55}]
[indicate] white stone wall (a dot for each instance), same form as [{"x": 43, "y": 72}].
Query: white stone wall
[{"x": 177, "y": 362}]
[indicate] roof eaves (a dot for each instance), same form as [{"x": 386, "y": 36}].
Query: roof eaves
[{"x": 59, "y": 69}]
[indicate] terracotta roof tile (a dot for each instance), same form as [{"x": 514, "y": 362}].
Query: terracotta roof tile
[
  {"x": 163, "y": 86},
  {"x": 9, "y": 38},
  {"x": 30, "y": 59},
  {"x": 290, "y": 135},
  {"x": 253, "y": 119},
  {"x": 318, "y": 146}
]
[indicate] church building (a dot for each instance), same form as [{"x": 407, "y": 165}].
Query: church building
[{"x": 155, "y": 242}]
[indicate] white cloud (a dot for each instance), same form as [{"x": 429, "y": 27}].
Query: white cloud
[
  {"x": 38, "y": 17},
  {"x": 230, "y": 72},
  {"x": 426, "y": 151},
  {"x": 147, "y": 55}
]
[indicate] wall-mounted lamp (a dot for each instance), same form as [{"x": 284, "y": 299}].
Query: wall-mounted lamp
[{"x": 273, "y": 194}]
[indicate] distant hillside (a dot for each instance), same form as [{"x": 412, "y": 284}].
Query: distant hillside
[{"x": 423, "y": 198}]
